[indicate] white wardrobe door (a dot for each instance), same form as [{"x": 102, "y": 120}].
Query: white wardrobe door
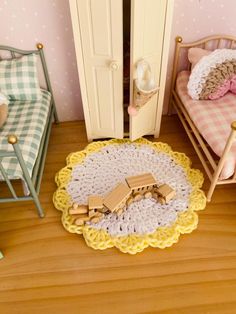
[
  {"x": 101, "y": 31},
  {"x": 147, "y": 29}
]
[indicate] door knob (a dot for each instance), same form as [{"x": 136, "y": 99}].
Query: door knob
[{"x": 114, "y": 65}]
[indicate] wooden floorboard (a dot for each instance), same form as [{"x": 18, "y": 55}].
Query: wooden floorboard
[{"x": 47, "y": 270}]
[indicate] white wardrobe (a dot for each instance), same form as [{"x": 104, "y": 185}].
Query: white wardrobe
[{"x": 101, "y": 30}]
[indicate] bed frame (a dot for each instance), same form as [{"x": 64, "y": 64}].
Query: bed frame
[
  {"x": 34, "y": 181},
  {"x": 211, "y": 164}
]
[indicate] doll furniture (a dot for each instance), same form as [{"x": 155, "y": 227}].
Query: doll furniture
[
  {"x": 25, "y": 135},
  {"x": 110, "y": 38},
  {"x": 210, "y": 124}
]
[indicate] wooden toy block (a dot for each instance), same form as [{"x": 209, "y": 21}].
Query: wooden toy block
[
  {"x": 92, "y": 213},
  {"x": 161, "y": 200},
  {"x": 79, "y": 209},
  {"x": 75, "y": 205},
  {"x": 148, "y": 194},
  {"x": 155, "y": 196},
  {"x": 155, "y": 189},
  {"x": 79, "y": 216},
  {"x": 102, "y": 210},
  {"x": 81, "y": 220},
  {"x": 95, "y": 202},
  {"x": 137, "y": 197},
  {"x": 119, "y": 211},
  {"x": 129, "y": 201},
  {"x": 166, "y": 192},
  {"x": 141, "y": 181},
  {"x": 100, "y": 215},
  {"x": 95, "y": 219},
  {"x": 116, "y": 197}
]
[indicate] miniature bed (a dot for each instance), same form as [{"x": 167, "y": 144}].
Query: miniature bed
[
  {"x": 209, "y": 124},
  {"x": 25, "y": 135}
]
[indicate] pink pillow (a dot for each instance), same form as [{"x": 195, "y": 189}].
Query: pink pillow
[
  {"x": 195, "y": 54},
  {"x": 229, "y": 84}
]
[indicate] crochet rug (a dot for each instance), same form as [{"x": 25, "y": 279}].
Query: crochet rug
[{"x": 102, "y": 165}]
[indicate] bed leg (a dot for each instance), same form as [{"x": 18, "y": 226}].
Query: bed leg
[
  {"x": 55, "y": 114},
  {"x": 46, "y": 75},
  {"x": 222, "y": 161},
  {"x": 38, "y": 205},
  {"x": 12, "y": 139},
  {"x": 210, "y": 191},
  {"x": 170, "y": 106},
  {"x": 33, "y": 193},
  {"x": 178, "y": 41}
]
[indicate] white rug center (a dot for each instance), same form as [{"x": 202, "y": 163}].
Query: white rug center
[{"x": 102, "y": 171}]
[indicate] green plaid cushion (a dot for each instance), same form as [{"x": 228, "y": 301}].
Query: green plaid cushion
[
  {"x": 19, "y": 79},
  {"x": 27, "y": 121}
]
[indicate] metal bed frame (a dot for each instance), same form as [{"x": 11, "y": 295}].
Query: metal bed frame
[
  {"x": 33, "y": 182},
  {"x": 212, "y": 166}
]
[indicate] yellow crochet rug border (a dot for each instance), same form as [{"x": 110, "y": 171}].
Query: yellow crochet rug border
[{"x": 163, "y": 237}]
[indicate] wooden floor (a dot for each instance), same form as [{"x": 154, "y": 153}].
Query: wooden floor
[{"x": 48, "y": 270}]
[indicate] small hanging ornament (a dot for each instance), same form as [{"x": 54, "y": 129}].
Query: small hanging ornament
[{"x": 144, "y": 87}]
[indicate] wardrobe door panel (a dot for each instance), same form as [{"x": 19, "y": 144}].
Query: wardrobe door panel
[
  {"x": 147, "y": 30},
  {"x": 100, "y": 24}
]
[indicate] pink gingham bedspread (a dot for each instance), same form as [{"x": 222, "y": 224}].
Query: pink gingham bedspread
[{"x": 212, "y": 119}]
